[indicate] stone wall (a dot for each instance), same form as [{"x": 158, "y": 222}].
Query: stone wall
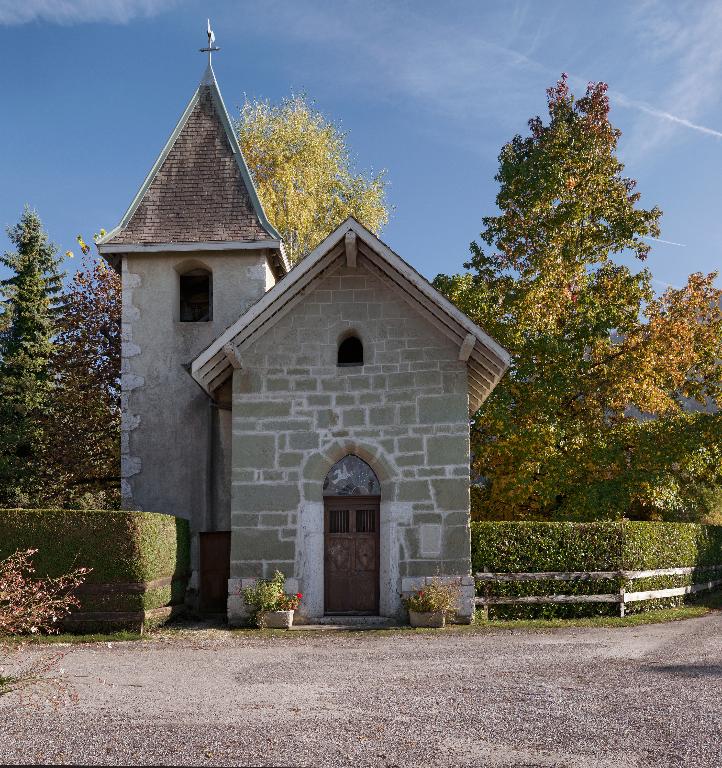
[
  {"x": 173, "y": 440},
  {"x": 295, "y": 413}
]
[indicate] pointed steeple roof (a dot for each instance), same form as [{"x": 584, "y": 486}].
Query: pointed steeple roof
[{"x": 199, "y": 192}]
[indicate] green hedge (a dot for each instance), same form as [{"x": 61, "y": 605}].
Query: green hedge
[
  {"x": 120, "y": 547},
  {"x": 517, "y": 547}
]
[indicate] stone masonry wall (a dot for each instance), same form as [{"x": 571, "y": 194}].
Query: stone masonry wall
[
  {"x": 295, "y": 413},
  {"x": 165, "y": 428}
]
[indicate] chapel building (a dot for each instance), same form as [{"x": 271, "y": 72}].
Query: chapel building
[{"x": 312, "y": 419}]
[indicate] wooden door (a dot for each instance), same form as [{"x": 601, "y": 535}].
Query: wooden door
[
  {"x": 351, "y": 561},
  {"x": 215, "y": 570}
]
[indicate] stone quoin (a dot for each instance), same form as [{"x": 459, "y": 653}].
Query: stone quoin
[{"x": 315, "y": 416}]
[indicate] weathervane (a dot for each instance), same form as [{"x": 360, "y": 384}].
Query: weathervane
[{"x": 211, "y": 39}]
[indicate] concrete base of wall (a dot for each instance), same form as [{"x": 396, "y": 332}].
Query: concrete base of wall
[
  {"x": 239, "y": 614},
  {"x": 192, "y": 599}
]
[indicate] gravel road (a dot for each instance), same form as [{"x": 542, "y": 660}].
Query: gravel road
[{"x": 606, "y": 698}]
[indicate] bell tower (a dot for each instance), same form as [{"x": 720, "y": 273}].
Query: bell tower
[{"x": 195, "y": 249}]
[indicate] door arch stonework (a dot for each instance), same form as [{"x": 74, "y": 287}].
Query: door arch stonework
[
  {"x": 310, "y": 551},
  {"x": 351, "y": 496}
]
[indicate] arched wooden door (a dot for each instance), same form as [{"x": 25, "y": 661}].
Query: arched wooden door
[
  {"x": 351, "y": 510},
  {"x": 351, "y": 562}
]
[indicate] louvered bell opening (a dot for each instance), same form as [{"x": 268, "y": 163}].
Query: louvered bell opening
[
  {"x": 338, "y": 520},
  {"x": 365, "y": 521}
]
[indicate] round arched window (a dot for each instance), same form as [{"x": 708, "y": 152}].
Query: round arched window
[{"x": 350, "y": 352}]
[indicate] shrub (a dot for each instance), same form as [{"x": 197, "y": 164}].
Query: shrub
[
  {"x": 529, "y": 547},
  {"x": 121, "y": 547},
  {"x": 29, "y": 605},
  {"x": 268, "y": 595}
]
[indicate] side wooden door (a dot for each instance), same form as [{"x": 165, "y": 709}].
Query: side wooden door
[
  {"x": 215, "y": 570},
  {"x": 351, "y": 554}
]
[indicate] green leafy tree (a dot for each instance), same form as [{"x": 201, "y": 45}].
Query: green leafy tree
[
  {"x": 591, "y": 420},
  {"x": 302, "y": 169},
  {"x": 29, "y": 308}
]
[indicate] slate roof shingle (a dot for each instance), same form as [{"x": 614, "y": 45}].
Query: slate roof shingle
[{"x": 198, "y": 194}]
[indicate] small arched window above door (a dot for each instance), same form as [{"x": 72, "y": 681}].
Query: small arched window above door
[
  {"x": 350, "y": 352},
  {"x": 351, "y": 476},
  {"x": 196, "y": 296}
]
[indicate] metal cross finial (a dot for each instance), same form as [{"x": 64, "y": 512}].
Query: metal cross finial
[{"x": 211, "y": 40}]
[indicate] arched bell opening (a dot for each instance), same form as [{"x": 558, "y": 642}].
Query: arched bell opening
[
  {"x": 351, "y": 502},
  {"x": 196, "y": 296}
]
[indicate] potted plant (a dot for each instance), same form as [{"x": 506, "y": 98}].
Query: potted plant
[
  {"x": 430, "y": 605},
  {"x": 272, "y": 607}
]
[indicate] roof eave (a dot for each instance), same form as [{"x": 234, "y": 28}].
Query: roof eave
[
  {"x": 405, "y": 270},
  {"x": 213, "y": 245}
]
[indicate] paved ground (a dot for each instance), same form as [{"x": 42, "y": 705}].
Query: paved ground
[{"x": 593, "y": 698}]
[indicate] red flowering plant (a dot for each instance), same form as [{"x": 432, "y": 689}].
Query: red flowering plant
[
  {"x": 437, "y": 597},
  {"x": 289, "y": 602}
]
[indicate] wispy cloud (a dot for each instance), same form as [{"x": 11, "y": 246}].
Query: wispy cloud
[
  {"x": 14, "y": 12},
  {"x": 482, "y": 70},
  {"x": 466, "y": 65},
  {"x": 665, "y": 242},
  {"x": 681, "y": 41}
]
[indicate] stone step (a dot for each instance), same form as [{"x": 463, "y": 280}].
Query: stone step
[{"x": 348, "y": 623}]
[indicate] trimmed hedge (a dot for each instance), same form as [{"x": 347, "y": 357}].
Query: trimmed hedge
[
  {"x": 121, "y": 547},
  {"x": 519, "y": 547}
]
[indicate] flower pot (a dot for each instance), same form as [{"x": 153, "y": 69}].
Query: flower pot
[
  {"x": 277, "y": 619},
  {"x": 432, "y": 619}
]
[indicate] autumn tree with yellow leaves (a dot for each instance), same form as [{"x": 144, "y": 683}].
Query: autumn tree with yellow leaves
[
  {"x": 607, "y": 409},
  {"x": 302, "y": 169}
]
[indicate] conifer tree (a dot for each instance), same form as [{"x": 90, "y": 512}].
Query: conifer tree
[{"x": 29, "y": 298}]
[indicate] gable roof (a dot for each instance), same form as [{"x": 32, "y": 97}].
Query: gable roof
[
  {"x": 199, "y": 190},
  {"x": 486, "y": 360}
]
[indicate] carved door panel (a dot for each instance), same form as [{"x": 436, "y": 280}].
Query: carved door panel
[{"x": 351, "y": 563}]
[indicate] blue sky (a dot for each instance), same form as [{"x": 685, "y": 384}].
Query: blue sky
[{"x": 429, "y": 91}]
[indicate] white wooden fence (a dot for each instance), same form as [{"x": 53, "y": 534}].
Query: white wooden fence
[{"x": 622, "y": 597}]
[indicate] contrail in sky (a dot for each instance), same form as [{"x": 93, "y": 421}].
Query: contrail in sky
[
  {"x": 666, "y": 242},
  {"x": 642, "y": 107}
]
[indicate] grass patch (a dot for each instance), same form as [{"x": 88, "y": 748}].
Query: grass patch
[
  {"x": 692, "y": 610},
  {"x": 7, "y": 684},
  {"x": 633, "y": 620},
  {"x": 74, "y": 639},
  {"x": 700, "y": 607}
]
